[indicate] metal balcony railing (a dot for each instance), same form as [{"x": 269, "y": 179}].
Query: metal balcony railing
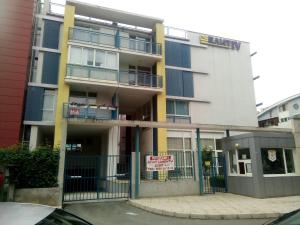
[
  {"x": 140, "y": 79},
  {"x": 178, "y": 119},
  {"x": 113, "y": 76},
  {"x": 114, "y": 40},
  {"x": 92, "y": 73},
  {"x": 82, "y": 111}
]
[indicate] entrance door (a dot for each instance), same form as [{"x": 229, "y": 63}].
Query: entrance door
[
  {"x": 96, "y": 177},
  {"x": 214, "y": 174}
]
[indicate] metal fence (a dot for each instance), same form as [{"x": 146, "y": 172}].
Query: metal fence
[
  {"x": 113, "y": 39},
  {"x": 214, "y": 174},
  {"x": 96, "y": 177},
  {"x": 184, "y": 167}
]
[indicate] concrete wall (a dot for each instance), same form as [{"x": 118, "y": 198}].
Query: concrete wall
[
  {"x": 228, "y": 84},
  {"x": 45, "y": 196},
  {"x": 169, "y": 188},
  {"x": 259, "y": 185}
]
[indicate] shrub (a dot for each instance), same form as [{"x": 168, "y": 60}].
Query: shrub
[{"x": 31, "y": 169}]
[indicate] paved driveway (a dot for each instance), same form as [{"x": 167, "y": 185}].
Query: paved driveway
[{"x": 121, "y": 213}]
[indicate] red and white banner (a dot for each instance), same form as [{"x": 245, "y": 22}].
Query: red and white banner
[
  {"x": 160, "y": 163},
  {"x": 74, "y": 112}
]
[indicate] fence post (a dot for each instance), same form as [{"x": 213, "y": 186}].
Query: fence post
[
  {"x": 225, "y": 172},
  {"x": 199, "y": 161},
  {"x": 137, "y": 160}
]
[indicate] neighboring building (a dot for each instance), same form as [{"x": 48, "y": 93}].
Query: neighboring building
[
  {"x": 280, "y": 113},
  {"x": 16, "y": 27}
]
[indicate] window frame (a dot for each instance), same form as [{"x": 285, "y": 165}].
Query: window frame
[
  {"x": 53, "y": 94},
  {"x": 174, "y": 106},
  {"x": 284, "y": 164},
  {"x": 184, "y": 150},
  {"x": 245, "y": 161},
  {"x": 106, "y": 52}
]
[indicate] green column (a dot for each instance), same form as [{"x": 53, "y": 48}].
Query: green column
[
  {"x": 199, "y": 147},
  {"x": 137, "y": 161}
]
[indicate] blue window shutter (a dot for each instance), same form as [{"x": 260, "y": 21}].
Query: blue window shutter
[
  {"x": 188, "y": 84},
  {"x": 50, "y": 68},
  {"x": 51, "y": 34},
  {"x": 178, "y": 54},
  {"x": 34, "y": 104},
  {"x": 174, "y": 82},
  {"x": 185, "y": 56}
]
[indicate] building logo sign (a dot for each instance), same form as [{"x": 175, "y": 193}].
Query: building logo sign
[
  {"x": 272, "y": 155},
  {"x": 160, "y": 163},
  {"x": 220, "y": 42}
]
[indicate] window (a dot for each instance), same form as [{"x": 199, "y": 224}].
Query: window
[
  {"x": 88, "y": 57},
  {"x": 93, "y": 57},
  {"x": 181, "y": 148},
  {"x": 179, "y": 108},
  {"x": 48, "y": 105},
  {"x": 75, "y": 55},
  {"x": 282, "y": 108},
  {"x": 84, "y": 98},
  {"x": 277, "y": 161},
  {"x": 282, "y": 120},
  {"x": 178, "y": 111},
  {"x": 240, "y": 162}
]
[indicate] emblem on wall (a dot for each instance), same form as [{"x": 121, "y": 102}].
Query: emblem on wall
[{"x": 272, "y": 155}]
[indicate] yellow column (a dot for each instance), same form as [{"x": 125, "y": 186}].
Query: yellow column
[
  {"x": 63, "y": 88},
  {"x": 161, "y": 98}
]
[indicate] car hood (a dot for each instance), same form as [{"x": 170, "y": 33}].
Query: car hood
[{"x": 23, "y": 213}]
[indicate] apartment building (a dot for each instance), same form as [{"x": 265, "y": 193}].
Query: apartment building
[
  {"x": 103, "y": 64},
  {"x": 280, "y": 113}
]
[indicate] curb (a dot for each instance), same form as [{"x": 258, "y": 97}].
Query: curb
[{"x": 205, "y": 216}]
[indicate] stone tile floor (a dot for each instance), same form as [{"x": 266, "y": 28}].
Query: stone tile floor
[{"x": 219, "y": 206}]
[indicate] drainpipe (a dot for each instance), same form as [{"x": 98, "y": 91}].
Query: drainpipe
[
  {"x": 137, "y": 161},
  {"x": 200, "y": 161}
]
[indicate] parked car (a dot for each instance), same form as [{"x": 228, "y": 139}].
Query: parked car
[
  {"x": 292, "y": 218},
  {"x": 12, "y": 213}
]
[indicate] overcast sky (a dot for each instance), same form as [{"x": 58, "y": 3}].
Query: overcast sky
[{"x": 271, "y": 26}]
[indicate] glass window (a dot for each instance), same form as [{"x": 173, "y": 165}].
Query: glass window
[
  {"x": 170, "y": 107},
  {"x": 88, "y": 57},
  {"x": 111, "y": 60},
  {"x": 75, "y": 55},
  {"x": 175, "y": 143},
  {"x": 272, "y": 159},
  {"x": 48, "y": 106},
  {"x": 100, "y": 58},
  {"x": 233, "y": 162},
  {"x": 187, "y": 144},
  {"x": 289, "y": 160},
  {"x": 182, "y": 108},
  {"x": 244, "y": 154},
  {"x": 207, "y": 144}
]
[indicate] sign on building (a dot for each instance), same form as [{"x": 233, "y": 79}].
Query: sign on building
[
  {"x": 160, "y": 163},
  {"x": 220, "y": 42}
]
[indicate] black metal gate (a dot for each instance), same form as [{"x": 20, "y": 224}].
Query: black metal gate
[
  {"x": 96, "y": 177},
  {"x": 214, "y": 174}
]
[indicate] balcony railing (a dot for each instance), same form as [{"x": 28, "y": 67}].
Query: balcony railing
[
  {"x": 92, "y": 73},
  {"x": 140, "y": 79},
  {"x": 178, "y": 119},
  {"x": 113, "y": 76},
  {"x": 81, "y": 111},
  {"x": 114, "y": 40}
]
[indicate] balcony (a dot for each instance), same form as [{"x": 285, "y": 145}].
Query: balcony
[
  {"x": 114, "y": 40},
  {"x": 178, "y": 119},
  {"x": 113, "y": 77},
  {"x": 81, "y": 111}
]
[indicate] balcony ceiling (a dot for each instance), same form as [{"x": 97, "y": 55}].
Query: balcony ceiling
[{"x": 113, "y": 15}]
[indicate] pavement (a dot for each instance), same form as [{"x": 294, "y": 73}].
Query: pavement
[
  {"x": 116, "y": 213},
  {"x": 218, "y": 206}
]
